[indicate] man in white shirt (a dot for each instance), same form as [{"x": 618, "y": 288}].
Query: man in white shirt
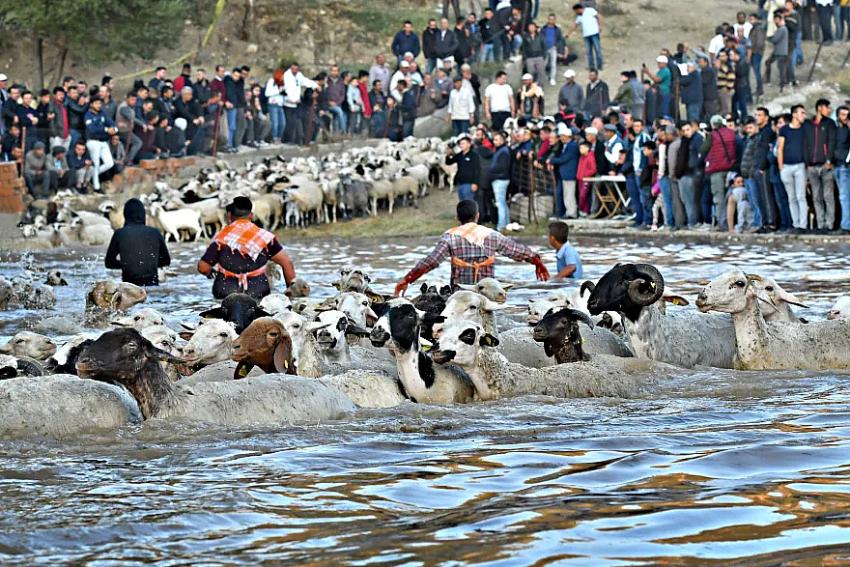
[
  {"x": 716, "y": 43},
  {"x": 293, "y": 82},
  {"x": 380, "y": 72},
  {"x": 741, "y": 24},
  {"x": 591, "y": 26},
  {"x": 400, "y": 75},
  {"x": 461, "y": 108},
  {"x": 499, "y": 103}
]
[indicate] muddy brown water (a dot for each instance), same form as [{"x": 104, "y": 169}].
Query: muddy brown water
[{"x": 735, "y": 467}]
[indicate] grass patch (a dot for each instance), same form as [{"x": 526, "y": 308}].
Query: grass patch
[
  {"x": 435, "y": 215},
  {"x": 612, "y": 8}
]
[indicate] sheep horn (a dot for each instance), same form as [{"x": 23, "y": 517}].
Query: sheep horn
[
  {"x": 585, "y": 286},
  {"x": 647, "y": 287},
  {"x": 580, "y": 316}
]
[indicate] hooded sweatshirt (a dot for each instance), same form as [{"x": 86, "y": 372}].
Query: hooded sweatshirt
[{"x": 137, "y": 250}]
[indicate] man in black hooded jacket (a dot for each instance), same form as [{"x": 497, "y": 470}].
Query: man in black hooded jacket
[{"x": 137, "y": 250}]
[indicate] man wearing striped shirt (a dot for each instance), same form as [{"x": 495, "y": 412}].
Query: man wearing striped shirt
[{"x": 473, "y": 249}]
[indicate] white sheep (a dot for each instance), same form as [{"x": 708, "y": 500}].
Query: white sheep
[
  {"x": 779, "y": 307},
  {"x": 33, "y": 345},
  {"x": 62, "y": 407},
  {"x": 140, "y": 319},
  {"x": 276, "y": 303},
  {"x": 780, "y": 345},
  {"x": 466, "y": 344},
  {"x": 491, "y": 288},
  {"x": 841, "y": 309},
  {"x": 172, "y": 222},
  {"x": 211, "y": 342}
]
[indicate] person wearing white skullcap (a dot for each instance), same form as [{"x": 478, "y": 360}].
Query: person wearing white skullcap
[
  {"x": 530, "y": 98},
  {"x": 566, "y": 162},
  {"x": 571, "y": 94},
  {"x": 664, "y": 80}
]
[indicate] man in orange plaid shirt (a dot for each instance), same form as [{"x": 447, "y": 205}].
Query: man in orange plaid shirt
[{"x": 238, "y": 255}]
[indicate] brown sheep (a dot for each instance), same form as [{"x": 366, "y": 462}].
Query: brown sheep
[{"x": 264, "y": 343}]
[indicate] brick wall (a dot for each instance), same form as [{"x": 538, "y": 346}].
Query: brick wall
[{"x": 12, "y": 189}]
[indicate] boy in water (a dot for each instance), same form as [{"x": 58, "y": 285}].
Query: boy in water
[{"x": 569, "y": 262}]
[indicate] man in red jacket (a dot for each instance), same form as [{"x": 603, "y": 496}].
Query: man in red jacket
[{"x": 719, "y": 149}]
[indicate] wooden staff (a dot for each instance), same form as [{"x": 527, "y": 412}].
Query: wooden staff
[
  {"x": 215, "y": 130},
  {"x": 815, "y": 62}
]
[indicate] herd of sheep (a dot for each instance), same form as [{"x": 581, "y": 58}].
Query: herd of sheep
[
  {"x": 294, "y": 358},
  {"x": 285, "y": 193}
]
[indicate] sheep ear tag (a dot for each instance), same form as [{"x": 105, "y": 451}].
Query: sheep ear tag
[
  {"x": 676, "y": 300},
  {"x": 242, "y": 370}
]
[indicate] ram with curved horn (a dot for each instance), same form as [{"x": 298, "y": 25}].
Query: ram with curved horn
[{"x": 683, "y": 338}]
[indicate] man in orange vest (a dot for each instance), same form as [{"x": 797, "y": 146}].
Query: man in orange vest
[
  {"x": 473, "y": 249},
  {"x": 238, "y": 255}
]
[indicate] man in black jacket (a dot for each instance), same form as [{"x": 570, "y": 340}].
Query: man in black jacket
[
  {"x": 534, "y": 54},
  {"x": 429, "y": 39},
  {"x": 445, "y": 42},
  {"x": 190, "y": 109},
  {"x": 137, "y": 250},
  {"x": 468, "y": 168},
  {"x": 819, "y": 148}
]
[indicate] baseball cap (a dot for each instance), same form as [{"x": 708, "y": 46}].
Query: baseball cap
[
  {"x": 404, "y": 64},
  {"x": 661, "y": 59},
  {"x": 527, "y": 77},
  {"x": 569, "y": 74}
]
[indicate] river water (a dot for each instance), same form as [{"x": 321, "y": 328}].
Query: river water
[{"x": 733, "y": 467}]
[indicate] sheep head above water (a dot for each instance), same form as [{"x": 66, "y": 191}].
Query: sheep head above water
[
  {"x": 141, "y": 319},
  {"x": 54, "y": 278},
  {"x": 330, "y": 329},
  {"x": 460, "y": 342},
  {"x": 298, "y": 288},
  {"x": 209, "y": 343},
  {"x": 491, "y": 288},
  {"x": 265, "y": 343},
  {"x": 126, "y": 357},
  {"x": 352, "y": 279},
  {"x": 732, "y": 292},
  {"x": 32, "y": 345},
  {"x": 627, "y": 289},
  {"x": 841, "y": 309},
  {"x": 114, "y": 296},
  {"x": 237, "y": 308},
  {"x": 560, "y": 334}
]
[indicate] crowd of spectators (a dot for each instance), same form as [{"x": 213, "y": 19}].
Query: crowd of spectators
[{"x": 681, "y": 134}]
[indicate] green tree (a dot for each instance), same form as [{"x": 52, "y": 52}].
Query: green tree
[{"x": 96, "y": 31}]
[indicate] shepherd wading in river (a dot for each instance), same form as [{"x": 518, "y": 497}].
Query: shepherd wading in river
[
  {"x": 473, "y": 249},
  {"x": 238, "y": 255}
]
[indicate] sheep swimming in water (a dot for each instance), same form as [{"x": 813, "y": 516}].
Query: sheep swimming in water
[
  {"x": 125, "y": 357},
  {"x": 781, "y": 345},
  {"x": 686, "y": 339}
]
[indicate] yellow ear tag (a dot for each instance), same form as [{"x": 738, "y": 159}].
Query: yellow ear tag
[
  {"x": 652, "y": 285},
  {"x": 286, "y": 364},
  {"x": 243, "y": 371}
]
